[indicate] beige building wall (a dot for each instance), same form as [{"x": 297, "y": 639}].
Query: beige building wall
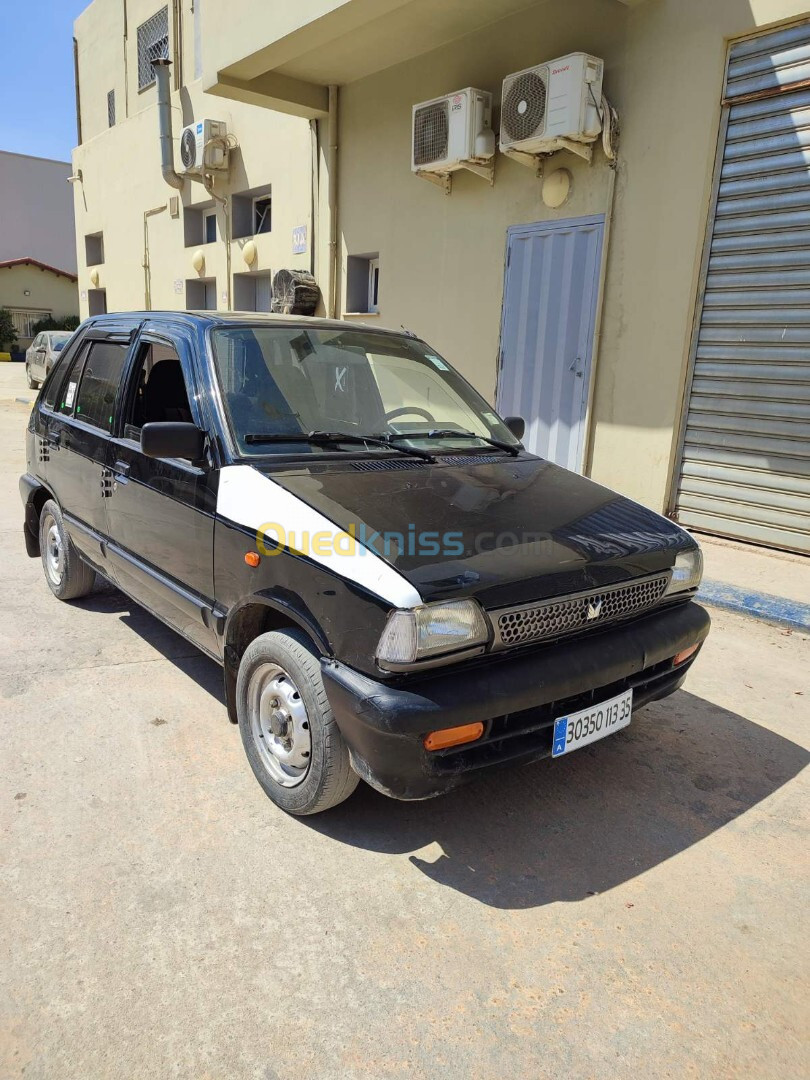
[
  {"x": 442, "y": 258},
  {"x": 123, "y": 195},
  {"x": 30, "y": 289}
]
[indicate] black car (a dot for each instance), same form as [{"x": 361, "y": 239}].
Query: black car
[{"x": 395, "y": 588}]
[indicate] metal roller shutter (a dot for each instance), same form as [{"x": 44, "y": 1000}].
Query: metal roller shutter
[{"x": 745, "y": 459}]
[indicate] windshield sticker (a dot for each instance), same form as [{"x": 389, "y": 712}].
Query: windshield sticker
[
  {"x": 491, "y": 418},
  {"x": 69, "y": 396},
  {"x": 436, "y": 361}
]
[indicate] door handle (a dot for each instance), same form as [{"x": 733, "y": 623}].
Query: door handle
[
  {"x": 53, "y": 438},
  {"x": 120, "y": 471}
]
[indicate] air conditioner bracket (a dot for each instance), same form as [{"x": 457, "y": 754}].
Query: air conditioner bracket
[
  {"x": 486, "y": 170},
  {"x": 533, "y": 161},
  {"x": 442, "y": 180}
]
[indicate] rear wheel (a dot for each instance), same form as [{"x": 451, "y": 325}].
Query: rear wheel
[
  {"x": 67, "y": 576},
  {"x": 32, "y": 382},
  {"x": 290, "y": 736}
]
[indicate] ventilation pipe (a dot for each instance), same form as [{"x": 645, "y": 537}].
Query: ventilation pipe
[{"x": 161, "y": 69}]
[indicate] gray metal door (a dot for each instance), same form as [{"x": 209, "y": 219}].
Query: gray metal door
[
  {"x": 744, "y": 469},
  {"x": 549, "y": 307}
]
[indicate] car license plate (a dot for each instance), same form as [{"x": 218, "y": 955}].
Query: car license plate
[{"x": 588, "y": 725}]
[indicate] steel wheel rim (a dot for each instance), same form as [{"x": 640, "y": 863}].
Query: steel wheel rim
[
  {"x": 54, "y": 552},
  {"x": 279, "y": 725}
]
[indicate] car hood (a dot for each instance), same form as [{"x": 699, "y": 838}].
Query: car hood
[{"x": 506, "y": 530}]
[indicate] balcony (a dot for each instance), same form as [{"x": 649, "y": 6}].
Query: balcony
[{"x": 283, "y": 56}]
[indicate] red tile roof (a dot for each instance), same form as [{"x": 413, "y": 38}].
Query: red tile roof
[{"x": 35, "y": 262}]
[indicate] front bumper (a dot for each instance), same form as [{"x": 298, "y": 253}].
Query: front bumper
[{"x": 516, "y": 696}]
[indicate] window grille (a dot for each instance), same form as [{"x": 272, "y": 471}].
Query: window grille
[
  {"x": 153, "y": 44},
  {"x": 111, "y": 108}
]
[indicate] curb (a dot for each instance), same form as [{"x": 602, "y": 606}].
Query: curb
[
  {"x": 757, "y": 605},
  {"x": 25, "y": 400}
]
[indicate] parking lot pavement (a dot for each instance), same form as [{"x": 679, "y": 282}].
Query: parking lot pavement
[
  {"x": 637, "y": 909},
  {"x": 13, "y": 383}
]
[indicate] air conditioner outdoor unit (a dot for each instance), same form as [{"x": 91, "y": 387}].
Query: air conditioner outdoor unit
[
  {"x": 198, "y": 153},
  {"x": 453, "y": 132},
  {"x": 553, "y": 106}
]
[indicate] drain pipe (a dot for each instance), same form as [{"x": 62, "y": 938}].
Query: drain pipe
[
  {"x": 332, "y": 161},
  {"x": 147, "y": 269},
  {"x": 161, "y": 69}
]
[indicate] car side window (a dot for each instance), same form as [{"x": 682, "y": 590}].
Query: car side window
[
  {"x": 159, "y": 393},
  {"x": 98, "y": 384},
  {"x": 52, "y": 384},
  {"x": 68, "y": 385}
]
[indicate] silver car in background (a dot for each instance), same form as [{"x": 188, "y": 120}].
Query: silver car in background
[{"x": 42, "y": 353}]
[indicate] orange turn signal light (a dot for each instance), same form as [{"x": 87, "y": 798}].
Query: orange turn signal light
[
  {"x": 684, "y": 654},
  {"x": 252, "y": 558},
  {"x": 454, "y": 736}
]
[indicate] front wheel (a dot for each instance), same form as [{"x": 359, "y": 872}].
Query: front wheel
[
  {"x": 290, "y": 736},
  {"x": 67, "y": 576}
]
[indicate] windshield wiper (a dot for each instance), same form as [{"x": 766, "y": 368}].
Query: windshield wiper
[
  {"x": 325, "y": 437},
  {"x": 445, "y": 433}
]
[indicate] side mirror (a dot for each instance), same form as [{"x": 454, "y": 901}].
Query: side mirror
[
  {"x": 516, "y": 424},
  {"x": 173, "y": 440}
]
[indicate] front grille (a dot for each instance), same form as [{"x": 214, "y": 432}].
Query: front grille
[{"x": 567, "y": 614}]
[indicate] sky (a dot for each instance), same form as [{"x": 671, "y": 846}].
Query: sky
[{"x": 37, "y": 98}]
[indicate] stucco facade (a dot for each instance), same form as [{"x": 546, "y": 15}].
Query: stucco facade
[
  {"x": 442, "y": 259},
  {"x": 32, "y": 291},
  {"x": 145, "y": 232},
  {"x": 354, "y": 69}
]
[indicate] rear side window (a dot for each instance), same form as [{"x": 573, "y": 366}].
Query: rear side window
[
  {"x": 68, "y": 385},
  {"x": 95, "y": 395},
  {"x": 52, "y": 385}
]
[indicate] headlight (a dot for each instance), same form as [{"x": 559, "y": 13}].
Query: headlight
[
  {"x": 687, "y": 572},
  {"x": 445, "y": 627}
]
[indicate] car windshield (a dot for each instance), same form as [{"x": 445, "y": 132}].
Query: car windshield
[{"x": 279, "y": 381}]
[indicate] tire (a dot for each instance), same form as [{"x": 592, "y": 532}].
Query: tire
[
  {"x": 32, "y": 383},
  {"x": 290, "y": 736},
  {"x": 68, "y": 577}
]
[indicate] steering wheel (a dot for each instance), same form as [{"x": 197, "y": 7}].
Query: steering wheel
[{"x": 409, "y": 409}]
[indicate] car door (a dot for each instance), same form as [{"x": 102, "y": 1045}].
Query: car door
[
  {"x": 160, "y": 512},
  {"x": 78, "y": 436},
  {"x": 33, "y": 357}
]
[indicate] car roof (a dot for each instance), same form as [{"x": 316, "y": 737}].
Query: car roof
[{"x": 229, "y": 318}]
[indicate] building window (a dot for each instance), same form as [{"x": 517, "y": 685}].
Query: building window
[
  {"x": 373, "y": 284},
  {"x": 199, "y": 224},
  {"x": 153, "y": 44},
  {"x": 201, "y": 294},
  {"x": 210, "y": 226},
  {"x": 23, "y": 320},
  {"x": 251, "y": 212},
  {"x": 94, "y": 249},
  {"x": 363, "y": 283},
  {"x": 262, "y": 219},
  {"x": 110, "y": 108},
  {"x": 253, "y": 292}
]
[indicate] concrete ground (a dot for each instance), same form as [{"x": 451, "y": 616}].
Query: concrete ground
[{"x": 637, "y": 909}]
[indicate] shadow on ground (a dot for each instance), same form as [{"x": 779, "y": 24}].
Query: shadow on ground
[
  {"x": 553, "y": 830},
  {"x": 581, "y": 825}
]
